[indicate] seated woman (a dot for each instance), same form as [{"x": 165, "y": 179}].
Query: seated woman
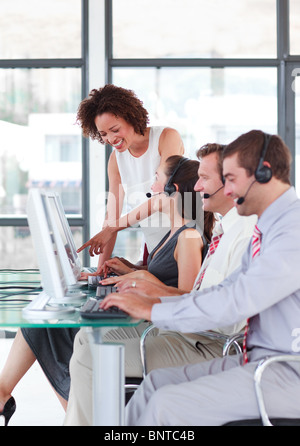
[
  {"x": 182, "y": 242},
  {"x": 168, "y": 262}
]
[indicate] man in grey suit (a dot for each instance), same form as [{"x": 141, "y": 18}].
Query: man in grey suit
[{"x": 265, "y": 289}]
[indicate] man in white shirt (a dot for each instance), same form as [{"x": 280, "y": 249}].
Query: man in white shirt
[{"x": 236, "y": 232}]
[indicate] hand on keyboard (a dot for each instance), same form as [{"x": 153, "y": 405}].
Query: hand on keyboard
[
  {"x": 92, "y": 310},
  {"x": 93, "y": 281}
]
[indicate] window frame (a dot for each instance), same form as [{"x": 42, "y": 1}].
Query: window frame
[
  {"x": 82, "y": 64},
  {"x": 284, "y": 62}
]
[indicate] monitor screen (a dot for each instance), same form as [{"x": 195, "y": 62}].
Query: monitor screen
[
  {"x": 71, "y": 261},
  {"x": 45, "y": 245},
  {"x": 51, "y": 302}
]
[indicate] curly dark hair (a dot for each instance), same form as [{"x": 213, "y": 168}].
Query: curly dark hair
[{"x": 115, "y": 100}]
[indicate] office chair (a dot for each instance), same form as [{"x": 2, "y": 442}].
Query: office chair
[
  {"x": 131, "y": 384},
  {"x": 230, "y": 342},
  {"x": 264, "y": 419},
  {"x": 235, "y": 342}
]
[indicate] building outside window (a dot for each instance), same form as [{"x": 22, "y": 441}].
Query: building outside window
[
  {"x": 212, "y": 70},
  {"x": 41, "y": 84}
]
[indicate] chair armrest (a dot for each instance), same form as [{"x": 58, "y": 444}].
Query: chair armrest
[
  {"x": 233, "y": 341},
  {"x": 229, "y": 341},
  {"x": 143, "y": 349},
  {"x": 213, "y": 335},
  {"x": 260, "y": 368}
]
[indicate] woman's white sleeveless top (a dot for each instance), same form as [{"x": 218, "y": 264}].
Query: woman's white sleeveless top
[{"x": 137, "y": 177}]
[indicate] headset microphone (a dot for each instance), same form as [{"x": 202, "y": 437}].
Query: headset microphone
[
  {"x": 241, "y": 200},
  {"x": 170, "y": 187},
  {"x": 211, "y": 195},
  {"x": 149, "y": 195}
]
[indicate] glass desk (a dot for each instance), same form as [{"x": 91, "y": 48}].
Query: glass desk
[{"x": 108, "y": 359}]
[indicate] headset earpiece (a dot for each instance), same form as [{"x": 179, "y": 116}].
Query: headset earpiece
[
  {"x": 263, "y": 173},
  {"x": 170, "y": 187}
]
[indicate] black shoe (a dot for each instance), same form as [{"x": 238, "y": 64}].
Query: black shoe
[{"x": 8, "y": 410}]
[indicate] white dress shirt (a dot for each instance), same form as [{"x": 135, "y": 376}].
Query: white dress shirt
[{"x": 237, "y": 232}]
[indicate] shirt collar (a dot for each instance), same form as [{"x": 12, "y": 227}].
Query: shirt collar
[
  {"x": 275, "y": 209},
  {"x": 229, "y": 219}
]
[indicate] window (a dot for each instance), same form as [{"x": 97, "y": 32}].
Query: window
[
  {"x": 64, "y": 148},
  {"x": 34, "y": 103},
  {"x": 212, "y": 70},
  {"x": 206, "y": 104},
  {"x": 42, "y": 81},
  {"x": 39, "y": 30},
  {"x": 194, "y": 29},
  {"x": 17, "y": 250},
  {"x": 294, "y": 27}
]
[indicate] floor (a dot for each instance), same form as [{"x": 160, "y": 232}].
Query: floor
[{"x": 36, "y": 402}]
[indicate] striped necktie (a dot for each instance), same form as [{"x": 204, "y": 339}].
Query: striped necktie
[
  {"x": 215, "y": 240},
  {"x": 256, "y": 242}
]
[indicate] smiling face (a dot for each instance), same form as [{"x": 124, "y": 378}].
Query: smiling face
[
  {"x": 157, "y": 188},
  {"x": 115, "y": 131},
  {"x": 210, "y": 182},
  {"x": 239, "y": 184}
]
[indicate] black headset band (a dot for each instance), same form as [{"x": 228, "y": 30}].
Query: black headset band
[
  {"x": 263, "y": 174},
  {"x": 169, "y": 187},
  {"x": 267, "y": 138},
  {"x": 181, "y": 162}
]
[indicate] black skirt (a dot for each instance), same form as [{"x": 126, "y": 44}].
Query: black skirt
[{"x": 53, "y": 348}]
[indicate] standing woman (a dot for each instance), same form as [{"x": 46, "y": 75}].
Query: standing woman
[{"x": 113, "y": 115}]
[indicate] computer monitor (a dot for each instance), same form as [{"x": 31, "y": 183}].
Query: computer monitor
[
  {"x": 70, "y": 260},
  {"x": 46, "y": 241}
]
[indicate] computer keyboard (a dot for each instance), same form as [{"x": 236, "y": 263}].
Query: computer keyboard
[
  {"x": 91, "y": 310},
  {"x": 93, "y": 281},
  {"x": 104, "y": 290}
]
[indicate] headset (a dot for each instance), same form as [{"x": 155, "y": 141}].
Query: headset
[
  {"x": 263, "y": 174},
  {"x": 170, "y": 187}
]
